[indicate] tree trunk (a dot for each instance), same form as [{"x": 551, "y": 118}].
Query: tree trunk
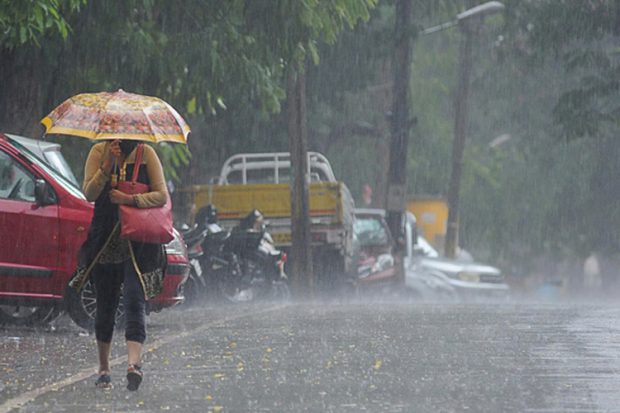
[
  {"x": 458, "y": 147},
  {"x": 301, "y": 255},
  {"x": 397, "y": 172}
]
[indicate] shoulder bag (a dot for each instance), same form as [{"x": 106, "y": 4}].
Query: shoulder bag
[{"x": 147, "y": 225}]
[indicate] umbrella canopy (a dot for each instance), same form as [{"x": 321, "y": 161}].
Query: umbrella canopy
[{"x": 117, "y": 115}]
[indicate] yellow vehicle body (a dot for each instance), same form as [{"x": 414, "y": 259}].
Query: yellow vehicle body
[
  {"x": 431, "y": 214},
  {"x": 327, "y": 204}
]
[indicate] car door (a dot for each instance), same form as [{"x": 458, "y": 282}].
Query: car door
[{"x": 29, "y": 233}]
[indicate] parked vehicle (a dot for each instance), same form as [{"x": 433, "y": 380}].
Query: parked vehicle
[
  {"x": 467, "y": 280},
  {"x": 50, "y": 152},
  {"x": 196, "y": 286},
  {"x": 243, "y": 264},
  {"x": 44, "y": 219},
  {"x": 261, "y": 181},
  {"x": 421, "y": 283},
  {"x": 374, "y": 243}
]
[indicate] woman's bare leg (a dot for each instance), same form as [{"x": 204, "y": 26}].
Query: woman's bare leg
[
  {"x": 134, "y": 352},
  {"x": 104, "y": 350}
]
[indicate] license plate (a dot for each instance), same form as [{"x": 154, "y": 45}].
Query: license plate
[{"x": 281, "y": 238}]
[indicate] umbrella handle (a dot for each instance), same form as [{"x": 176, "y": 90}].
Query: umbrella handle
[{"x": 114, "y": 174}]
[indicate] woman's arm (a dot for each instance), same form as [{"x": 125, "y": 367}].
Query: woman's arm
[{"x": 96, "y": 171}]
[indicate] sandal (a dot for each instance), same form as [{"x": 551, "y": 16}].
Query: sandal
[
  {"x": 104, "y": 381},
  {"x": 134, "y": 377}
]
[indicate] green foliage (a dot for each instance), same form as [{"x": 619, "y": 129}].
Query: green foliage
[
  {"x": 293, "y": 28},
  {"x": 173, "y": 157},
  {"x": 349, "y": 98},
  {"x": 527, "y": 197},
  {"x": 220, "y": 63},
  {"x": 23, "y": 22},
  {"x": 551, "y": 75},
  {"x": 582, "y": 35}
]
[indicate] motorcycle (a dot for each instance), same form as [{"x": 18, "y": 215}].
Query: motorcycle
[
  {"x": 195, "y": 287},
  {"x": 243, "y": 264}
]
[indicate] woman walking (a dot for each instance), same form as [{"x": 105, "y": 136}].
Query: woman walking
[{"x": 115, "y": 262}]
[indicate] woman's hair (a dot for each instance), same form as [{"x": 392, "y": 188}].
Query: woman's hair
[{"x": 127, "y": 146}]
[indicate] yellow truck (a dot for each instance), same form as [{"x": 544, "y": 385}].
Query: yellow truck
[{"x": 261, "y": 181}]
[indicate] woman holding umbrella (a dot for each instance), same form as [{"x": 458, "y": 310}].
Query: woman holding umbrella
[
  {"x": 120, "y": 120},
  {"x": 115, "y": 265}
]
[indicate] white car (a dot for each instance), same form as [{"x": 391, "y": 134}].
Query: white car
[{"x": 462, "y": 279}]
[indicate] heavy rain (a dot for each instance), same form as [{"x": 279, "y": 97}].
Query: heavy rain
[{"x": 309, "y": 206}]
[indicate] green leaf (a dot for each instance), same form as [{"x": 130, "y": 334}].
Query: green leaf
[
  {"x": 191, "y": 106},
  {"x": 220, "y": 102},
  {"x": 38, "y": 16},
  {"x": 314, "y": 52},
  {"x": 23, "y": 34}
]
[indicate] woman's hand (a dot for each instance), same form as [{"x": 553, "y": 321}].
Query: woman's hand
[
  {"x": 121, "y": 198},
  {"x": 114, "y": 153}
]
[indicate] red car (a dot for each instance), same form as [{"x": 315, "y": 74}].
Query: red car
[
  {"x": 44, "y": 218},
  {"x": 373, "y": 244}
]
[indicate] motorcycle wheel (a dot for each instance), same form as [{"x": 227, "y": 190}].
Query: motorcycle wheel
[
  {"x": 280, "y": 291},
  {"x": 233, "y": 294},
  {"x": 229, "y": 285},
  {"x": 23, "y": 315},
  {"x": 192, "y": 290},
  {"x": 83, "y": 305}
]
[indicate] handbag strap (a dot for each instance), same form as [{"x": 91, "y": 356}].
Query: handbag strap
[{"x": 137, "y": 163}]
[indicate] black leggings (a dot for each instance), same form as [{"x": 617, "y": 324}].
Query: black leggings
[{"x": 108, "y": 279}]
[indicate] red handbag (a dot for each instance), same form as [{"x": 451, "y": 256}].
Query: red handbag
[{"x": 147, "y": 225}]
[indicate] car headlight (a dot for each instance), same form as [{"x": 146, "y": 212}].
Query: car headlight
[{"x": 469, "y": 277}]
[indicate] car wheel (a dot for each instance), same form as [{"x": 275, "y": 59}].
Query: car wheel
[
  {"x": 23, "y": 315},
  {"x": 82, "y": 306}
]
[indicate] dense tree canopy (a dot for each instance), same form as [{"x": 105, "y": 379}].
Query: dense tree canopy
[{"x": 218, "y": 62}]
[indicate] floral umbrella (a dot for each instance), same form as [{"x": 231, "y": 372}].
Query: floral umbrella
[{"x": 117, "y": 115}]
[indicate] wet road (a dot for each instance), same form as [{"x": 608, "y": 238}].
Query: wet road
[{"x": 355, "y": 357}]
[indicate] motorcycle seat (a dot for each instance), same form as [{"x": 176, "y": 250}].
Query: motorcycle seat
[{"x": 218, "y": 236}]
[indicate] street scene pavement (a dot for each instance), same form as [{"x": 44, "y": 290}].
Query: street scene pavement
[{"x": 374, "y": 355}]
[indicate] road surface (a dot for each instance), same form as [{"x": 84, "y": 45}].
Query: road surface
[{"x": 375, "y": 356}]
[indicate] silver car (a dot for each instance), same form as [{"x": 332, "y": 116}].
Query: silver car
[{"x": 429, "y": 273}]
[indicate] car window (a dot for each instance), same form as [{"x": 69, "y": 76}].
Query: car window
[
  {"x": 15, "y": 182},
  {"x": 57, "y": 176},
  {"x": 370, "y": 232},
  {"x": 57, "y": 161}
]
